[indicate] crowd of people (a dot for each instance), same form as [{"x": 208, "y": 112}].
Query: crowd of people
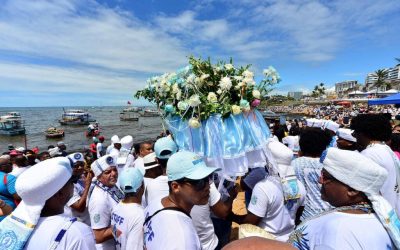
[{"x": 325, "y": 185}]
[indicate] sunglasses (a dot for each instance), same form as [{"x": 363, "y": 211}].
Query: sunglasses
[{"x": 198, "y": 185}]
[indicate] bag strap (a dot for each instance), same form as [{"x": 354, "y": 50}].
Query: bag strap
[
  {"x": 61, "y": 234},
  {"x": 164, "y": 209}
]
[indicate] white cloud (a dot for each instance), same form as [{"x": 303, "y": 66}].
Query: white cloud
[{"x": 87, "y": 33}]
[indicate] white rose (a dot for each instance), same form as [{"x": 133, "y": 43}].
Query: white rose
[
  {"x": 194, "y": 123},
  {"x": 225, "y": 83},
  {"x": 256, "y": 94},
  {"x": 179, "y": 95},
  {"x": 228, "y": 66},
  {"x": 248, "y": 74},
  {"x": 236, "y": 109},
  {"x": 219, "y": 91},
  {"x": 175, "y": 88},
  {"x": 204, "y": 76},
  {"x": 191, "y": 78},
  {"x": 194, "y": 101},
  {"x": 238, "y": 78},
  {"x": 182, "y": 105},
  {"x": 212, "y": 97}
]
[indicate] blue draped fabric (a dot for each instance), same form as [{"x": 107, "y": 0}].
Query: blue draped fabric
[{"x": 233, "y": 144}]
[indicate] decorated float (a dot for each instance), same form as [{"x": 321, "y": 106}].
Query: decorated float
[{"x": 211, "y": 109}]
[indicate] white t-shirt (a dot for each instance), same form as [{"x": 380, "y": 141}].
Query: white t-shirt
[
  {"x": 156, "y": 189},
  {"x": 139, "y": 162},
  {"x": 18, "y": 170},
  {"x": 109, "y": 148},
  {"x": 127, "y": 221},
  {"x": 343, "y": 231},
  {"x": 267, "y": 202},
  {"x": 100, "y": 149},
  {"x": 203, "y": 223},
  {"x": 384, "y": 156},
  {"x": 292, "y": 142},
  {"x": 70, "y": 212},
  {"x": 78, "y": 236},
  {"x": 169, "y": 230},
  {"x": 100, "y": 205},
  {"x": 308, "y": 171}
]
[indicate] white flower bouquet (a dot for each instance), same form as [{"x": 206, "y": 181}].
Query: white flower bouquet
[{"x": 202, "y": 89}]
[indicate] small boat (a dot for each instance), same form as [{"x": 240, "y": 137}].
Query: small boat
[
  {"x": 130, "y": 114},
  {"x": 12, "y": 124},
  {"x": 76, "y": 117},
  {"x": 54, "y": 132},
  {"x": 149, "y": 113}
]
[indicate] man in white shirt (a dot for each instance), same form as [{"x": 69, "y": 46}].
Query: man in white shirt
[
  {"x": 157, "y": 187},
  {"x": 104, "y": 196},
  {"x": 44, "y": 195},
  {"x": 145, "y": 148},
  {"x": 125, "y": 158},
  {"x": 128, "y": 216},
  {"x": 100, "y": 149},
  {"x": 115, "y": 145},
  {"x": 276, "y": 199},
  {"x": 371, "y": 132},
  {"x": 168, "y": 224},
  {"x": 362, "y": 218},
  {"x": 76, "y": 206}
]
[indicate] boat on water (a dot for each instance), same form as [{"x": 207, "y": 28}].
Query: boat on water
[
  {"x": 12, "y": 124},
  {"x": 54, "y": 132},
  {"x": 149, "y": 113},
  {"x": 270, "y": 116},
  {"x": 76, "y": 117},
  {"x": 130, "y": 114}
]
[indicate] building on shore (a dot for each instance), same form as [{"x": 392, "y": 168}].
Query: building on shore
[
  {"x": 297, "y": 95},
  {"x": 343, "y": 88}
]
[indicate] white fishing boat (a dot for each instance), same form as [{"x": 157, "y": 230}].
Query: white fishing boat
[
  {"x": 12, "y": 124},
  {"x": 76, "y": 117},
  {"x": 130, "y": 114},
  {"x": 149, "y": 113}
]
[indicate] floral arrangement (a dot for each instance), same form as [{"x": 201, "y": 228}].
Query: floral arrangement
[{"x": 202, "y": 89}]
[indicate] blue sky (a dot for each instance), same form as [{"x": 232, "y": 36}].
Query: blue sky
[{"x": 88, "y": 52}]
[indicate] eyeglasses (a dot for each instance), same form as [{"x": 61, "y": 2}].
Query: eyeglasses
[{"x": 198, "y": 185}]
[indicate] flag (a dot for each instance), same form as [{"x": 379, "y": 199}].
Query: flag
[{"x": 129, "y": 103}]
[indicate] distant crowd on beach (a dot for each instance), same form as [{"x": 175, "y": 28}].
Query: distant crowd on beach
[{"x": 325, "y": 180}]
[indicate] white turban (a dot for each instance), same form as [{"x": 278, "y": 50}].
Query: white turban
[
  {"x": 115, "y": 139},
  {"x": 345, "y": 133},
  {"x": 283, "y": 157},
  {"x": 35, "y": 186},
  {"x": 316, "y": 123},
  {"x": 364, "y": 175},
  {"x": 127, "y": 142},
  {"x": 280, "y": 159},
  {"x": 331, "y": 125},
  {"x": 103, "y": 163}
]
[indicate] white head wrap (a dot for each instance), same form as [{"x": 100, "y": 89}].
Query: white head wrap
[
  {"x": 345, "y": 134},
  {"x": 103, "y": 163},
  {"x": 281, "y": 157},
  {"x": 363, "y": 174},
  {"x": 127, "y": 142},
  {"x": 331, "y": 125},
  {"x": 35, "y": 186},
  {"x": 115, "y": 139},
  {"x": 315, "y": 123}
]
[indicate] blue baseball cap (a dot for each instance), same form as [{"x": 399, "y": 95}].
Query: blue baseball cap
[
  {"x": 164, "y": 144},
  {"x": 188, "y": 164},
  {"x": 130, "y": 180}
]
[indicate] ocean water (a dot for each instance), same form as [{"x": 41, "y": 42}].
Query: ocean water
[{"x": 38, "y": 119}]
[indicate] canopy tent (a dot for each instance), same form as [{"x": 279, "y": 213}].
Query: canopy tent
[
  {"x": 394, "y": 99},
  {"x": 357, "y": 93},
  {"x": 391, "y": 91}
]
